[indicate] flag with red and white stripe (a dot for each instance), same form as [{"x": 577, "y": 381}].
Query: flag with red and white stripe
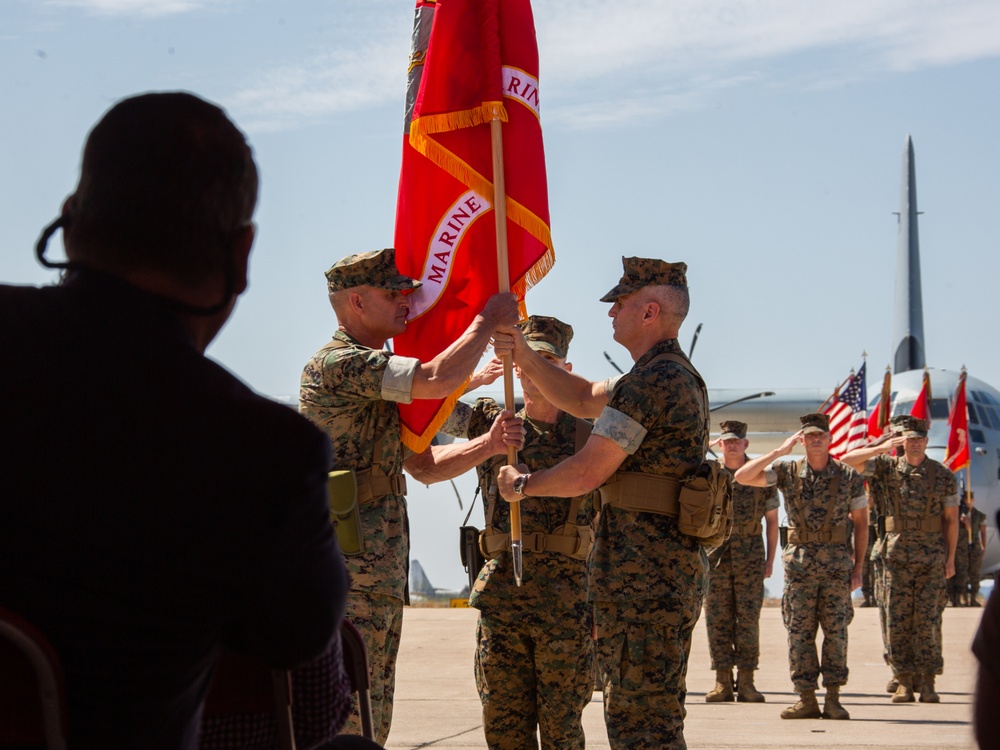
[{"x": 848, "y": 412}]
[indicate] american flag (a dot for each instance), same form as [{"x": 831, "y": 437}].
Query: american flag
[{"x": 848, "y": 411}]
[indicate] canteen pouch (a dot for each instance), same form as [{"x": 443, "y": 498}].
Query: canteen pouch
[
  {"x": 783, "y": 536},
  {"x": 705, "y": 505},
  {"x": 472, "y": 556},
  {"x": 342, "y": 499}
]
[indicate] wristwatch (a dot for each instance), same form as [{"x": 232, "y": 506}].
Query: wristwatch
[{"x": 520, "y": 484}]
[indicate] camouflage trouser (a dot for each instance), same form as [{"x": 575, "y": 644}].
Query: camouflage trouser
[
  {"x": 380, "y": 620},
  {"x": 878, "y": 579},
  {"x": 643, "y": 656},
  {"x": 958, "y": 584},
  {"x": 808, "y": 603},
  {"x": 732, "y": 613},
  {"x": 975, "y": 568},
  {"x": 914, "y": 593},
  {"x": 868, "y": 569},
  {"x": 533, "y": 675}
]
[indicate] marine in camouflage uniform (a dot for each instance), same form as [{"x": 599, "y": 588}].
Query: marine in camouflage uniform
[
  {"x": 821, "y": 494},
  {"x": 535, "y": 648},
  {"x": 646, "y": 579},
  {"x": 738, "y": 568},
  {"x": 963, "y": 588},
  {"x": 350, "y": 389},
  {"x": 920, "y": 500}
]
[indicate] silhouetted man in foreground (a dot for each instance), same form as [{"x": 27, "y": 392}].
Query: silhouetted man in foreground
[{"x": 154, "y": 510}]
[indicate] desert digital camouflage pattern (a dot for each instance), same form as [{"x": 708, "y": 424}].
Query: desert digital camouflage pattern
[
  {"x": 913, "y": 589},
  {"x": 817, "y": 591},
  {"x": 736, "y": 580},
  {"x": 376, "y": 268},
  {"x": 341, "y": 393}
]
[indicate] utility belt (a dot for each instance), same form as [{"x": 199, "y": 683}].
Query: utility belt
[
  {"x": 642, "y": 493},
  {"x": 928, "y": 525},
  {"x": 347, "y": 491},
  {"x": 750, "y": 528},
  {"x": 701, "y": 503},
  {"x": 572, "y": 540},
  {"x": 794, "y": 535},
  {"x": 372, "y": 488}
]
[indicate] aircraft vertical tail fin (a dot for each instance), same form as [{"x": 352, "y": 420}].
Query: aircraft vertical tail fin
[{"x": 908, "y": 314}]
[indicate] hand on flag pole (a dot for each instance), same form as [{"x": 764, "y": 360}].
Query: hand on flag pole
[{"x": 473, "y": 83}]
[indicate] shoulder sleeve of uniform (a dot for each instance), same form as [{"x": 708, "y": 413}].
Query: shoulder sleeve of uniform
[
  {"x": 770, "y": 493},
  {"x": 663, "y": 391},
  {"x": 482, "y": 416},
  {"x": 784, "y": 473},
  {"x": 457, "y": 423},
  {"x": 397, "y": 383},
  {"x": 871, "y": 467},
  {"x": 856, "y": 488},
  {"x": 620, "y": 428}
]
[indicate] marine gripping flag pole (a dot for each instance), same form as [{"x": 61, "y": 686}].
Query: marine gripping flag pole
[{"x": 472, "y": 89}]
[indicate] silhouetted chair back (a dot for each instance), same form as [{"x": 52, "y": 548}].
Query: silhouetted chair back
[
  {"x": 356, "y": 667},
  {"x": 242, "y": 685},
  {"x": 32, "y": 693}
]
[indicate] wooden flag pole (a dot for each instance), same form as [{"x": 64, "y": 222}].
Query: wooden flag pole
[{"x": 503, "y": 277}]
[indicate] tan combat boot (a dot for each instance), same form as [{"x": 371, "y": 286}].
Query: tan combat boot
[
  {"x": 723, "y": 690},
  {"x": 806, "y": 708},
  {"x": 745, "y": 690},
  {"x": 927, "y": 692},
  {"x": 892, "y": 685},
  {"x": 831, "y": 705},
  {"x": 904, "y": 693}
]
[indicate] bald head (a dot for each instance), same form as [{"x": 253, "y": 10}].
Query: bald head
[{"x": 166, "y": 181}]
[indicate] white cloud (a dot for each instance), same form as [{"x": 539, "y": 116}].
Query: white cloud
[
  {"x": 612, "y": 62},
  {"x": 144, "y": 8},
  {"x": 332, "y": 82}
]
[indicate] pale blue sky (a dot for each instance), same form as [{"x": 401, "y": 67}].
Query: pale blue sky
[{"x": 760, "y": 142}]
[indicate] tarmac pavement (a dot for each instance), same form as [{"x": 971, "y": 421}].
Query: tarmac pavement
[{"x": 437, "y": 705}]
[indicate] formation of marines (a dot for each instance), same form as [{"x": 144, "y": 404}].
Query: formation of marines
[{"x": 607, "y": 566}]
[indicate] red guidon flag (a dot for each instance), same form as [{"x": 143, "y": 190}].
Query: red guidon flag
[
  {"x": 922, "y": 406},
  {"x": 957, "y": 455},
  {"x": 472, "y": 61}
]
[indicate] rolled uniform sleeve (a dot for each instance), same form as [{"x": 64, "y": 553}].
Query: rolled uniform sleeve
[
  {"x": 620, "y": 428},
  {"x": 397, "y": 381}
]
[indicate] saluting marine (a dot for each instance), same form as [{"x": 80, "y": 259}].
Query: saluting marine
[
  {"x": 919, "y": 499},
  {"x": 821, "y": 494}
]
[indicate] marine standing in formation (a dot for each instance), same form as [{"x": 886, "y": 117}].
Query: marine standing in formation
[
  {"x": 963, "y": 589},
  {"x": 738, "y": 568},
  {"x": 821, "y": 494},
  {"x": 919, "y": 498},
  {"x": 350, "y": 389},
  {"x": 535, "y": 649},
  {"x": 646, "y": 580}
]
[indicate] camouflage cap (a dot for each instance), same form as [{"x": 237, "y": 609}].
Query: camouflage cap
[
  {"x": 910, "y": 426},
  {"x": 641, "y": 272},
  {"x": 376, "y": 268},
  {"x": 545, "y": 334},
  {"x": 815, "y": 423},
  {"x": 733, "y": 430}
]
